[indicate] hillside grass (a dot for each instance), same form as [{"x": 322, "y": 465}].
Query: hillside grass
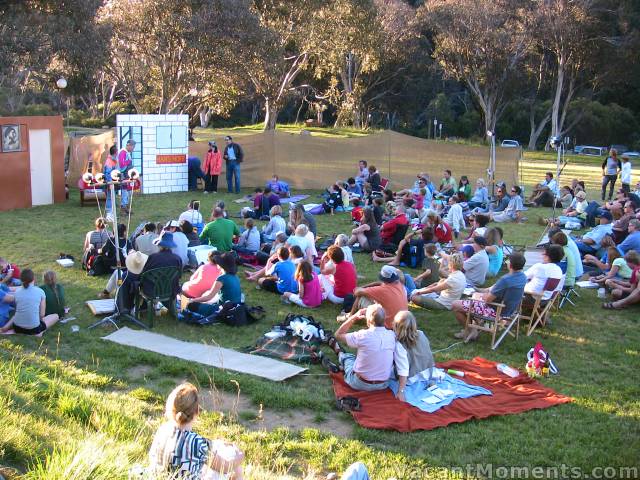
[{"x": 73, "y": 406}]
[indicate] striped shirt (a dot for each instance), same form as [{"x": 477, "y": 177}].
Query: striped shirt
[{"x": 182, "y": 453}]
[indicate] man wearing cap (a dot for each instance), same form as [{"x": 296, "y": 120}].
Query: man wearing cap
[
  {"x": 125, "y": 162},
  {"x": 591, "y": 241},
  {"x": 219, "y": 232},
  {"x": 389, "y": 292},
  {"x": 211, "y": 168},
  {"x": 164, "y": 258},
  {"x": 234, "y": 156},
  {"x": 477, "y": 266},
  {"x": 180, "y": 239},
  {"x": 370, "y": 368}
]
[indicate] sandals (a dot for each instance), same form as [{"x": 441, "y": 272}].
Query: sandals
[
  {"x": 328, "y": 364},
  {"x": 348, "y": 404}
]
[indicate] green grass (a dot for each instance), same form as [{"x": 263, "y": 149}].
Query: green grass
[
  {"x": 76, "y": 407},
  {"x": 203, "y": 134}
]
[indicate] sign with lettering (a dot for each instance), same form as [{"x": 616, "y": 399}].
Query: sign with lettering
[{"x": 167, "y": 159}]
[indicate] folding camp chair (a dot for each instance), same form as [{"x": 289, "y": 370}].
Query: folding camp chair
[
  {"x": 565, "y": 295},
  {"x": 480, "y": 323},
  {"x": 540, "y": 310},
  {"x": 163, "y": 279}
]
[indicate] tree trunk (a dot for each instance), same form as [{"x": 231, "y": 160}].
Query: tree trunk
[
  {"x": 270, "y": 115},
  {"x": 205, "y": 116},
  {"x": 536, "y": 130}
]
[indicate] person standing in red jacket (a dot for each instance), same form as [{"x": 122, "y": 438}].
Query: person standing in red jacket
[{"x": 212, "y": 168}]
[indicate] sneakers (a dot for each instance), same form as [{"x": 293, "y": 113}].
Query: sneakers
[
  {"x": 342, "y": 317},
  {"x": 104, "y": 294}
]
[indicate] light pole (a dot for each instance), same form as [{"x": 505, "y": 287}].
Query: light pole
[
  {"x": 435, "y": 128},
  {"x": 440, "y": 128},
  {"x": 62, "y": 84}
]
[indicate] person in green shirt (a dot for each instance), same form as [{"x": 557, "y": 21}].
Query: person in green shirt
[
  {"x": 447, "y": 185},
  {"x": 570, "y": 275},
  {"x": 220, "y": 232},
  {"x": 54, "y": 294}
]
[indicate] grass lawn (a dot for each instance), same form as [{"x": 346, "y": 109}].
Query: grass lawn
[{"x": 75, "y": 407}]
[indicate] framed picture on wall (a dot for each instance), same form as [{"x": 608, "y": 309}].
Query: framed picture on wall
[{"x": 11, "y": 138}]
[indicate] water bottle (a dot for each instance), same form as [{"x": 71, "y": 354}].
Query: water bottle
[{"x": 507, "y": 370}]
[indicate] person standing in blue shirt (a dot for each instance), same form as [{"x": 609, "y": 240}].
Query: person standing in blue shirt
[{"x": 233, "y": 156}]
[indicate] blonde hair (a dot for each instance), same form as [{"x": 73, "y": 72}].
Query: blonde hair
[
  {"x": 456, "y": 262},
  {"x": 391, "y": 208},
  {"x": 341, "y": 240},
  {"x": 276, "y": 210},
  {"x": 182, "y": 404},
  {"x": 481, "y": 181},
  {"x": 101, "y": 223},
  {"x": 404, "y": 325},
  {"x": 50, "y": 278}
]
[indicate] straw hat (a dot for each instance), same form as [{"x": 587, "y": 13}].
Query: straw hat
[{"x": 135, "y": 262}]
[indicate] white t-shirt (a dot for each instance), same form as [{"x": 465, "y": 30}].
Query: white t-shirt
[
  {"x": 456, "y": 281},
  {"x": 538, "y": 275},
  {"x": 192, "y": 216},
  {"x": 348, "y": 255},
  {"x": 625, "y": 173}
]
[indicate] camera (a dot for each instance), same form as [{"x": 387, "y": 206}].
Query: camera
[{"x": 555, "y": 142}]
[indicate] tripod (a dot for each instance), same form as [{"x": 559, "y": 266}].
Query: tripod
[
  {"x": 119, "y": 315},
  {"x": 560, "y": 164}
]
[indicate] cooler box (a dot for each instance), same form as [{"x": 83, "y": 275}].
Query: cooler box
[{"x": 199, "y": 255}]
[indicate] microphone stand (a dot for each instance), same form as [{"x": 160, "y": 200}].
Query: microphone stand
[{"x": 118, "y": 315}]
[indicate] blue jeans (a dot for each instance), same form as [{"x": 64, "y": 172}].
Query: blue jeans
[
  {"x": 348, "y": 360},
  {"x": 409, "y": 284},
  {"x": 233, "y": 170},
  {"x": 124, "y": 201}
]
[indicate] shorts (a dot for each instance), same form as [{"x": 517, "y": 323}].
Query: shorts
[
  {"x": 479, "y": 308},
  {"x": 30, "y": 331}
]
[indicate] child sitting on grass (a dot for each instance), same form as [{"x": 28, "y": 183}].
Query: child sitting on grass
[
  {"x": 309, "y": 292},
  {"x": 280, "y": 278},
  {"x": 54, "y": 294}
]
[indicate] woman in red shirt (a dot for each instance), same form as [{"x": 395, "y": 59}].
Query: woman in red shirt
[
  {"x": 339, "y": 277},
  {"x": 212, "y": 167}
]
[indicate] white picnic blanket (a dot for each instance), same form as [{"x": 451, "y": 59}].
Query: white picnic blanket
[{"x": 214, "y": 356}]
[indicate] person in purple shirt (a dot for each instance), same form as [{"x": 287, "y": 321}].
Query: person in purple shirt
[{"x": 279, "y": 187}]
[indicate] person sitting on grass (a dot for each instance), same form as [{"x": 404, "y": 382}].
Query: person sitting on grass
[
  {"x": 431, "y": 267},
  {"x": 281, "y": 277},
  {"x": 342, "y": 241},
  {"x": 354, "y": 189},
  {"x": 568, "y": 261},
  {"x": 575, "y": 212},
  {"x": 144, "y": 243},
  {"x": 625, "y": 293},
  {"x": 191, "y": 215},
  {"x": 304, "y": 240},
  {"x": 202, "y": 278},
  {"x": 413, "y": 358},
  {"x": 619, "y": 268},
  {"x": 512, "y": 212},
  {"x": 278, "y": 187},
  {"x": 454, "y": 216},
  {"x": 544, "y": 193},
  {"x": 249, "y": 240},
  {"x": 494, "y": 250},
  {"x": 30, "y": 301},
  {"x": 54, "y": 294},
  {"x": 591, "y": 241},
  {"x": 476, "y": 263},
  {"x": 371, "y": 367},
  {"x": 179, "y": 452},
  {"x": 389, "y": 292},
  {"x": 508, "y": 291},
  {"x": 276, "y": 224},
  {"x": 309, "y": 291},
  {"x": 164, "y": 258},
  {"x": 338, "y": 276},
  {"x": 632, "y": 241},
  {"x": 367, "y": 235},
  {"x": 220, "y": 232},
  {"x": 389, "y": 228},
  {"x": 190, "y": 232},
  {"x": 226, "y": 285},
  {"x": 441, "y": 229},
  {"x": 403, "y": 253},
  {"x": 269, "y": 259},
  {"x": 600, "y": 266},
  {"x": 334, "y": 200},
  {"x": 480, "y": 196},
  {"x": 447, "y": 185},
  {"x": 441, "y": 295},
  {"x": 7, "y": 303}
]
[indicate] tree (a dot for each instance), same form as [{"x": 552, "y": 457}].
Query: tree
[
  {"x": 176, "y": 57},
  {"x": 364, "y": 46},
  {"x": 481, "y": 43}
]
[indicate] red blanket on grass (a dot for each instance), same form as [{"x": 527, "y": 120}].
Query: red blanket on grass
[{"x": 382, "y": 410}]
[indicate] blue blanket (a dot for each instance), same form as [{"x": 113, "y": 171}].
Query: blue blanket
[{"x": 415, "y": 392}]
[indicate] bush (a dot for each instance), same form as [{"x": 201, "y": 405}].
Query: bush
[
  {"x": 76, "y": 117},
  {"x": 93, "y": 122},
  {"x": 36, "y": 109}
]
